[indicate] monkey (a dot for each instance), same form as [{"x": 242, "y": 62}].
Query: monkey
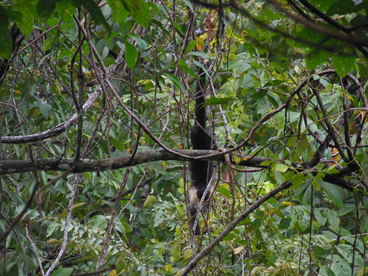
[{"x": 201, "y": 171}]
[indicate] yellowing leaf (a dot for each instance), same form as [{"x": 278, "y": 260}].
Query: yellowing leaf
[
  {"x": 149, "y": 200},
  {"x": 113, "y": 273},
  {"x": 188, "y": 253},
  {"x": 78, "y": 205},
  {"x": 281, "y": 168},
  {"x": 168, "y": 268},
  {"x": 238, "y": 250},
  {"x": 236, "y": 159}
]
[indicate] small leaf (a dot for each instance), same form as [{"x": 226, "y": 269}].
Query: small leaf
[
  {"x": 281, "y": 168},
  {"x": 198, "y": 54},
  {"x": 320, "y": 166},
  {"x": 99, "y": 222},
  {"x": 191, "y": 46},
  {"x": 141, "y": 43},
  {"x": 267, "y": 135},
  {"x": 216, "y": 101},
  {"x": 45, "y": 109},
  {"x": 63, "y": 271},
  {"x": 189, "y": 4},
  {"x": 185, "y": 67},
  {"x": 266, "y": 163},
  {"x": 175, "y": 80},
  {"x": 131, "y": 55},
  {"x": 150, "y": 199},
  {"x": 52, "y": 227},
  {"x": 225, "y": 192},
  {"x": 297, "y": 181}
]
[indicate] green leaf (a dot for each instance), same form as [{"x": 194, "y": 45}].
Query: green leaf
[
  {"x": 99, "y": 222},
  {"x": 344, "y": 64},
  {"x": 8, "y": 13},
  {"x": 6, "y": 42},
  {"x": 267, "y": 135},
  {"x": 52, "y": 227},
  {"x": 320, "y": 166},
  {"x": 284, "y": 223},
  {"x": 26, "y": 24},
  {"x": 266, "y": 163},
  {"x": 281, "y": 167},
  {"x": 159, "y": 24},
  {"x": 141, "y": 43},
  {"x": 322, "y": 5},
  {"x": 46, "y": 7},
  {"x": 316, "y": 57},
  {"x": 45, "y": 109},
  {"x": 139, "y": 10},
  {"x": 198, "y": 54},
  {"x": 65, "y": 10},
  {"x": 215, "y": 101},
  {"x": 63, "y": 271},
  {"x": 334, "y": 192},
  {"x": 175, "y": 80},
  {"x": 191, "y": 46},
  {"x": 150, "y": 199},
  {"x": 117, "y": 144},
  {"x": 298, "y": 181},
  {"x": 131, "y": 55},
  {"x": 345, "y": 7},
  {"x": 185, "y": 67},
  {"x": 189, "y": 4},
  {"x": 333, "y": 218},
  {"x": 119, "y": 13},
  {"x": 225, "y": 192},
  {"x": 340, "y": 267}
]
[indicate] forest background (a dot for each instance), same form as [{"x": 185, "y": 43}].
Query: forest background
[{"x": 96, "y": 107}]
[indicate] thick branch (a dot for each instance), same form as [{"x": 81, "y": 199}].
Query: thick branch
[
  {"x": 54, "y": 164},
  {"x": 50, "y": 164}
]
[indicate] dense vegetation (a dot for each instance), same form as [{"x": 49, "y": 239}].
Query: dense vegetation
[{"x": 96, "y": 107}]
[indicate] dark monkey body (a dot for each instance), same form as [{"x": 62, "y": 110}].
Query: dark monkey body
[{"x": 201, "y": 170}]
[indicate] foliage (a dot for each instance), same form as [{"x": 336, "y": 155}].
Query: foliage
[{"x": 85, "y": 81}]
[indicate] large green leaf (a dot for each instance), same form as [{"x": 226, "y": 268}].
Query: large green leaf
[
  {"x": 139, "y": 10},
  {"x": 344, "y": 64},
  {"x": 6, "y": 42},
  {"x": 65, "y": 10},
  {"x": 334, "y": 192},
  {"x": 46, "y": 7},
  {"x": 118, "y": 11}
]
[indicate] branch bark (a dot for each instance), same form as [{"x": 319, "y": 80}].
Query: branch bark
[{"x": 49, "y": 164}]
